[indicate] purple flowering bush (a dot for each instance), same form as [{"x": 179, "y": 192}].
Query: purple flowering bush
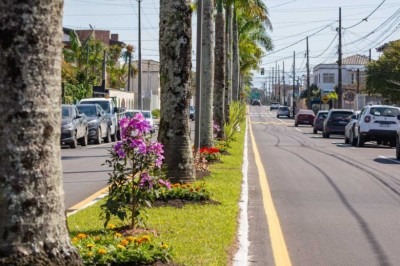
[{"x": 137, "y": 176}]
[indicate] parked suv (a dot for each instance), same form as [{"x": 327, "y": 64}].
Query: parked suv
[
  {"x": 319, "y": 121},
  {"x": 377, "y": 123},
  {"x": 336, "y": 122},
  {"x": 74, "y": 127}
]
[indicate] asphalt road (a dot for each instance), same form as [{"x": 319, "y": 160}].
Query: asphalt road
[{"x": 336, "y": 204}]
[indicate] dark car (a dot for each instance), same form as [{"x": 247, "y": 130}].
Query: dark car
[
  {"x": 398, "y": 144},
  {"x": 98, "y": 123},
  {"x": 255, "y": 102},
  {"x": 304, "y": 117},
  {"x": 74, "y": 127},
  {"x": 191, "y": 112},
  {"x": 318, "y": 124},
  {"x": 336, "y": 122}
]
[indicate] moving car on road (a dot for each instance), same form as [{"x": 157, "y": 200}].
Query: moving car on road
[
  {"x": 274, "y": 105},
  {"x": 304, "y": 117},
  {"x": 99, "y": 127},
  {"x": 74, "y": 127},
  {"x": 283, "y": 111},
  {"x": 336, "y": 121},
  {"x": 378, "y": 123},
  {"x": 319, "y": 119},
  {"x": 256, "y": 102}
]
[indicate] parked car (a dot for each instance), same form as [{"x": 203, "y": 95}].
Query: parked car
[
  {"x": 304, "y": 117},
  {"x": 349, "y": 129},
  {"x": 191, "y": 112},
  {"x": 319, "y": 119},
  {"x": 74, "y": 127},
  {"x": 99, "y": 126},
  {"x": 283, "y": 111},
  {"x": 378, "y": 123},
  {"x": 336, "y": 121},
  {"x": 112, "y": 111},
  {"x": 256, "y": 102},
  {"x": 398, "y": 144},
  {"x": 274, "y": 105},
  {"x": 146, "y": 114}
]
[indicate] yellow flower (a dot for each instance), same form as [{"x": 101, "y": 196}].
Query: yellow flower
[
  {"x": 124, "y": 242},
  {"x": 121, "y": 247},
  {"x": 102, "y": 251},
  {"x": 117, "y": 235},
  {"x": 111, "y": 226},
  {"x": 131, "y": 239},
  {"x": 89, "y": 254},
  {"x": 74, "y": 240},
  {"x": 81, "y": 236},
  {"x": 144, "y": 239},
  {"x": 164, "y": 246},
  {"x": 89, "y": 246}
]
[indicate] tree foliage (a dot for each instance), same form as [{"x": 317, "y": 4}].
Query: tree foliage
[{"x": 383, "y": 75}]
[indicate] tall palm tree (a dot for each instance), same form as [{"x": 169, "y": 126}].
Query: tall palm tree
[
  {"x": 235, "y": 57},
  {"x": 207, "y": 83},
  {"x": 228, "y": 58},
  {"x": 219, "y": 71},
  {"x": 175, "y": 80},
  {"x": 33, "y": 226}
]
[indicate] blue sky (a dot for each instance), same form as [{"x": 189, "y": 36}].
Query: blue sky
[{"x": 292, "y": 21}]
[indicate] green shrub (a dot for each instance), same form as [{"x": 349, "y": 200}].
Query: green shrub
[
  {"x": 237, "y": 115},
  {"x": 155, "y": 113}
]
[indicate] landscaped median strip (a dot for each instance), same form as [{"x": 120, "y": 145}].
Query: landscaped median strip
[{"x": 92, "y": 199}]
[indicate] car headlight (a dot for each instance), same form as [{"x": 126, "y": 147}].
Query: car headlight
[{"x": 68, "y": 126}]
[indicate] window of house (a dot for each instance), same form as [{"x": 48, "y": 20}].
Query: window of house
[{"x": 328, "y": 78}]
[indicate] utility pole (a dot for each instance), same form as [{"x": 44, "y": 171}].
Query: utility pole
[
  {"x": 272, "y": 82},
  {"x": 140, "y": 103},
  {"x": 369, "y": 57},
  {"x": 339, "y": 88},
  {"x": 198, "y": 75},
  {"x": 294, "y": 85},
  {"x": 284, "y": 84},
  {"x": 308, "y": 77},
  {"x": 276, "y": 80},
  {"x": 279, "y": 85}
]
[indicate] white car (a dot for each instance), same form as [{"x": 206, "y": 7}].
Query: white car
[
  {"x": 146, "y": 114},
  {"x": 349, "y": 129},
  {"x": 377, "y": 123},
  {"x": 283, "y": 111}
]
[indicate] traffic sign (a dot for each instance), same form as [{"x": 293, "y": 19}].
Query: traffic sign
[{"x": 325, "y": 99}]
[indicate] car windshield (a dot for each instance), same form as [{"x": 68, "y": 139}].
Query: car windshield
[
  {"x": 341, "y": 115},
  {"x": 283, "y": 108},
  {"x": 105, "y": 105},
  {"x": 384, "y": 111},
  {"x": 87, "y": 110},
  {"x": 66, "y": 112},
  {"x": 322, "y": 115},
  {"x": 146, "y": 114}
]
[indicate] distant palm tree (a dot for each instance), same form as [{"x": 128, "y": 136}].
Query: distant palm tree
[{"x": 175, "y": 80}]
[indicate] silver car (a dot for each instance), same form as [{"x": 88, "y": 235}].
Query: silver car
[{"x": 283, "y": 111}]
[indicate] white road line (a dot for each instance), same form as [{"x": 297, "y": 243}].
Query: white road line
[
  {"x": 280, "y": 120},
  {"x": 298, "y": 130},
  {"x": 383, "y": 157}
]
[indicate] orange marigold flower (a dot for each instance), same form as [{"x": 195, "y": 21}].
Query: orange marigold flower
[
  {"x": 81, "y": 236},
  {"x": 117, "y": 235},
  {"x": 111, "y": 226},
  {"x": 96, "y": 238},
  {"x": 145, "y": 238},
  {"x": 102, "y": 251},
  {"x": 124, "y": 242},
  {"x": 74, "y": 240},
  {"x": 191, "y": 190}
]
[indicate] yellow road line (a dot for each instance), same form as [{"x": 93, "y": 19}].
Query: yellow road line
[
  {"x": 281, "y": 255},
  {"x": 271, "y": 123},
  {"x": 88, "y": 200}
]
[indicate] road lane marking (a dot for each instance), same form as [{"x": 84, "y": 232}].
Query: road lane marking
[
  {"x": 87, "y": 201},
  {"x": 298, "y": 130},
  {"x": 279, "y": 249},
  {"x": 272, "y": 123},
  {"x": 386, "y": 158}
]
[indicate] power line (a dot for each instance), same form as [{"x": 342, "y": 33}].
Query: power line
[{"x": 366, "y": 18}]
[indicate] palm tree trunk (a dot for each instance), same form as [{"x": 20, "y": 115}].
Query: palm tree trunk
[
  {"x": 33, "y": 227},
  {"x": 175, "y": 80},
  {"x": 219, "y": 71},
  {"x": 228, "y": 50},
  {"x": 207, "y": 90},
  {"x": 235, "y": 59}
]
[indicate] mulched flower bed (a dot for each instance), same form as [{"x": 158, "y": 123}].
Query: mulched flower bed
[{"x": 179, "y": 203}]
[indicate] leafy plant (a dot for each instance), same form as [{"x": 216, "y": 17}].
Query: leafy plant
[
  {"x": 237, "y": 115},
  {"x": 210, "y": 154},
  {"x": 192, "y": 192},
  {"x": 112, "y": 248},
  {"x": 136, "y": 162},
  {"x": 155, "y": 113}
]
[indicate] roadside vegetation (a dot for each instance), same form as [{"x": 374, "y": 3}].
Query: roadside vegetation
[{"x": 200, "y": 230}]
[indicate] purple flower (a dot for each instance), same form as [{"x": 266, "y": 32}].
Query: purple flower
[
  {"x": 165, "y": 183},
  {"x": 121, "y": 153},
  {"x": 140, "y": 145},
  {"x": 146, "y": 181}
]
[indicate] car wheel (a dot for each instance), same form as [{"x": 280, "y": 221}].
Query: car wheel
[
  {"x": 74, "y": 143},
  {"x": 315, "y": 131},
  {"x": 85, "y": 139},
  {"x": 392, "y": 144},
  {"x": 327, "y": 135},
  {"x": 398, "y": 150},
  {"x": 107, "y": 139},
  {"x": 346, "y": 140},
  {"x": 99, "y": 136},
  {"x": 360, "y": 141},
  {"x": 277, "y": 116},
  {"x": 296, "y": 125},
  {"x": 353, "y": 140}
]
